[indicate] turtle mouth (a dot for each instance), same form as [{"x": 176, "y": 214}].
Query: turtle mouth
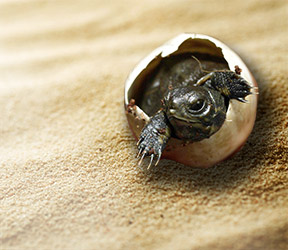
[
  {"x": 184, "y": 120},
  {"x": 190, "y": 129}
]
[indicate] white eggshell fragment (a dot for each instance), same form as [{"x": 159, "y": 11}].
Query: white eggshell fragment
[{"x": 240, "y": 116}]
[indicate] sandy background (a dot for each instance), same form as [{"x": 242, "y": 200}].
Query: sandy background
[{"x": 68, "y": 171}]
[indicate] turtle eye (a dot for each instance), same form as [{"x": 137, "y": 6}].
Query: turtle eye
[{"x": 196, "y": 106}]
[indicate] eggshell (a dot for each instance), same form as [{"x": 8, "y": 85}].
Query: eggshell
[{"x": 240, "y": 116}]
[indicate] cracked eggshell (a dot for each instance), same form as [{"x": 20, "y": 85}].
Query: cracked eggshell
[{"x": 240, "y": 116}]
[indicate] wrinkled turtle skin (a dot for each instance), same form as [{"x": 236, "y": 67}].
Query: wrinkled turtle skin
[{"x": 187, "y": 98}]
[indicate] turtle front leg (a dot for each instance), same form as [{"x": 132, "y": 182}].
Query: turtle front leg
[
  {"x": 154, "y": 137},
  {"x": 229, "y": 83}
]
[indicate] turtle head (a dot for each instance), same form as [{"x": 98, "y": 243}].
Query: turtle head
[{"x": 195, "y": 112}]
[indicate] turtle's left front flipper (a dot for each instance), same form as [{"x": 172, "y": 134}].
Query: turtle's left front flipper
[
  {"x": 229, "y": 83},
  {"x": 154, "y": 137}
]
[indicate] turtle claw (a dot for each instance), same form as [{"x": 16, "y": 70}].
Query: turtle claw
[
  {"x": 138, "y": 153},
  {"x": 145, "y": 153},
  {"x": 153, "y": 138},
  {"x": 142, "y": 157},
  {"x": 149, "y": 146},
  {"x": 151, "y": 160},
  {"x": 241, "y": 99},
  {"x": 159, "y": 157}
]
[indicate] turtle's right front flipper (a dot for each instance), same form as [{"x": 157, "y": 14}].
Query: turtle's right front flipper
[{"x": 154, "y": 137}]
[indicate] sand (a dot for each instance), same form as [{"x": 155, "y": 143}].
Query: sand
[{"x": 68, "y": 174}]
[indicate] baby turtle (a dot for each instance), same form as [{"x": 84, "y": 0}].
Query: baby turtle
[
  {"x": 186, "y": 102},
  {"x": 194, "y": 102}
]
